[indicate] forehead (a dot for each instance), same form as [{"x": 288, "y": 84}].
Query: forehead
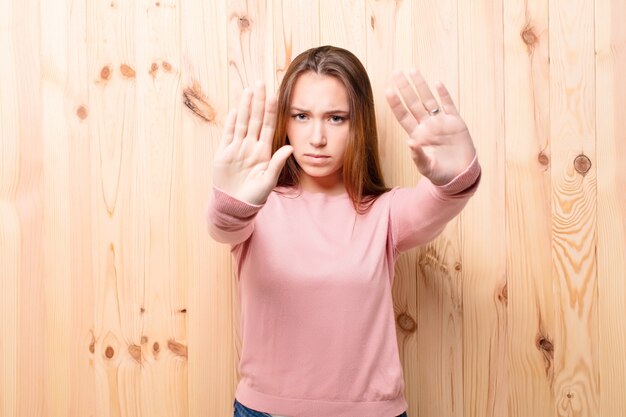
[{"x": 318, "y": 91}]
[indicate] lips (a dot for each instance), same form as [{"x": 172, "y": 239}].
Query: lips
[{"x": 316, "y": 156}]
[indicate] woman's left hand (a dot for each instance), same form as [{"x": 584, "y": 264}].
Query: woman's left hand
[{"x": 440, "y": 143}]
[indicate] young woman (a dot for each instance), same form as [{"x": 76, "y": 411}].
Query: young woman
[{"x": 299, "y": 195}]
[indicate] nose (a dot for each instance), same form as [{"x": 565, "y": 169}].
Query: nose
[{"x": 318, "y": 136}]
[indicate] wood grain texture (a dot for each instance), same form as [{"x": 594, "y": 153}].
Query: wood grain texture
[
  {"x": 343, "y": 24},
  {"x": 56, "y": 131},
  {"x": 10, "y": 233},
  {"x": 159, "y": 165},
  {"x": 250, "y": 45},
  {"x": 27, "y": 212},
  {"x": 574, "y": 248},
  {"x": 531, "y": 311},
  {"x": 483, "y": 241},
  {"x": 81, "y": 288},
  {"x": 296, "y": 28},
  {"x": 210, "y": 324},
  {"x": 119, "y": 214},
  {"x": 114, "y": 300},
  {"x": 610, "y": 119}
]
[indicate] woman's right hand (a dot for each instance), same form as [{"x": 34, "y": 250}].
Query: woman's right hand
[{"x": 244, "y": 166}]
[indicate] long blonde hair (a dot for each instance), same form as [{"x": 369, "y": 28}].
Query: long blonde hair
[{"x": 362, "y": 173}]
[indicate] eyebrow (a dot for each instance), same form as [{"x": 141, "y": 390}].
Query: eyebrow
[{"x": 328, "y": 112}]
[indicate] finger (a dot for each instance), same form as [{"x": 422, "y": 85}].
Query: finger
[
  {"x": 229, "y": 129},
  {"x": 409, "y": 96},
  {"x": 243, "y": 114},
  {"x": 278, "y": 161},
  {"x": 427, "y": 97},
  {"x": 446, "y": 100},
  {"x": 269, "y": 121},
  {"x": 406, "y": 119},
  {"x": 256, "y": 116}
]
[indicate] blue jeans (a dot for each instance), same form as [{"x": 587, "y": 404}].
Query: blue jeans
[{"x": 243, "y": 411}]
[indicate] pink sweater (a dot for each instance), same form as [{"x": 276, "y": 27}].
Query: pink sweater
[{"x": 314, "y": 282}]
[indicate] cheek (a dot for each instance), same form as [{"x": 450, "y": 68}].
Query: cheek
[
  {"x": 342, "y": 142},
  {"x": 293, "y": 134}
]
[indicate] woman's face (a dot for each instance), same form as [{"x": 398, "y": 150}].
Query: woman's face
[{"x": 318, "y": 129}]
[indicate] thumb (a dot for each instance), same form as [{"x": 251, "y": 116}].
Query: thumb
[
  {"x": 422, "y": 161},
  {"x": 278, "y": 160}
]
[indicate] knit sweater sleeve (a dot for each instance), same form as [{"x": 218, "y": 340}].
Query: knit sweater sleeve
[
  {"x": 229, "y": 219},
  {"x": 419, "y": 214}
]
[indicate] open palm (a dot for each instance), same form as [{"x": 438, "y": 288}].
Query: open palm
[
  {"x": 440, "y": 143},
  {"x": 244, "y": 166}
]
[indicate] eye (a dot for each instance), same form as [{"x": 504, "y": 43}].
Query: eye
[
  {"x": 337, "y": 119},
  {"x": 299, "y": 116}
]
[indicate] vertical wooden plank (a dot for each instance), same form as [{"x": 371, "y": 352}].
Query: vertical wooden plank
[
  {"x": 56, "y": 238},
  {"x": 204, "y": 72},
  {"x": 610, "y": 99},
  {"x": 387, "y": 24},
  {"x": 81, "y": 249},
  {"x": 485, "y": 331},
  {"x": 342, "y": 24},
  {"x": 10, "y": 232},
  {"x": 572, "y": 98},
  {"x": 250, "y": 46},
  {"x": 158, "y": 158},
  {"x": 296, "y": 28},
  {"x": 439, "y": 284},
  {"x": 528, "y": 212},
  {"x": 120, "y": 225},
  {"x": 28, "y": 200}
]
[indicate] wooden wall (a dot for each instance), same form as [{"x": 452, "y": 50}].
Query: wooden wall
[{"x": 114, "y": 301}]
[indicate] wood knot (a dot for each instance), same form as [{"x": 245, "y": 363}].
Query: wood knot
[
  {"x": 155, "y": 347},
  {"x": 109, "y": 352},
  {"x": 167, "y": 66},
  {"x": 582, "y": 164},
  {"x": 105, "y": 72},
  {"x": 503, "y": 295},
  {"x": 182, "y": 310},
  {"x": 544, "y": 344},
  {"x": 406, "y": 323},
  {"x": 244, "y": 23},
  {"x": 92, "y": 347},
  {"x": 135, "y": 352},
  {"x": 373, "y": 22},
  {"x": 457, "y": 266},
  {"x": 529, "y": 37},
  {"x": 82, "y": 112},
  {"x": 198, "y": 104},
  {"x": 112, "y": 5},
  {"x": 570, "y": 395},
  {"x": 177, "y": 348},
  {"x": 543, "y": 159},
  {"x": 127, "y": 71},
  {"x": 144, "y": 340},
  {"x": 142, "y": 310},
  {"x": 153, "y": 69}
]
